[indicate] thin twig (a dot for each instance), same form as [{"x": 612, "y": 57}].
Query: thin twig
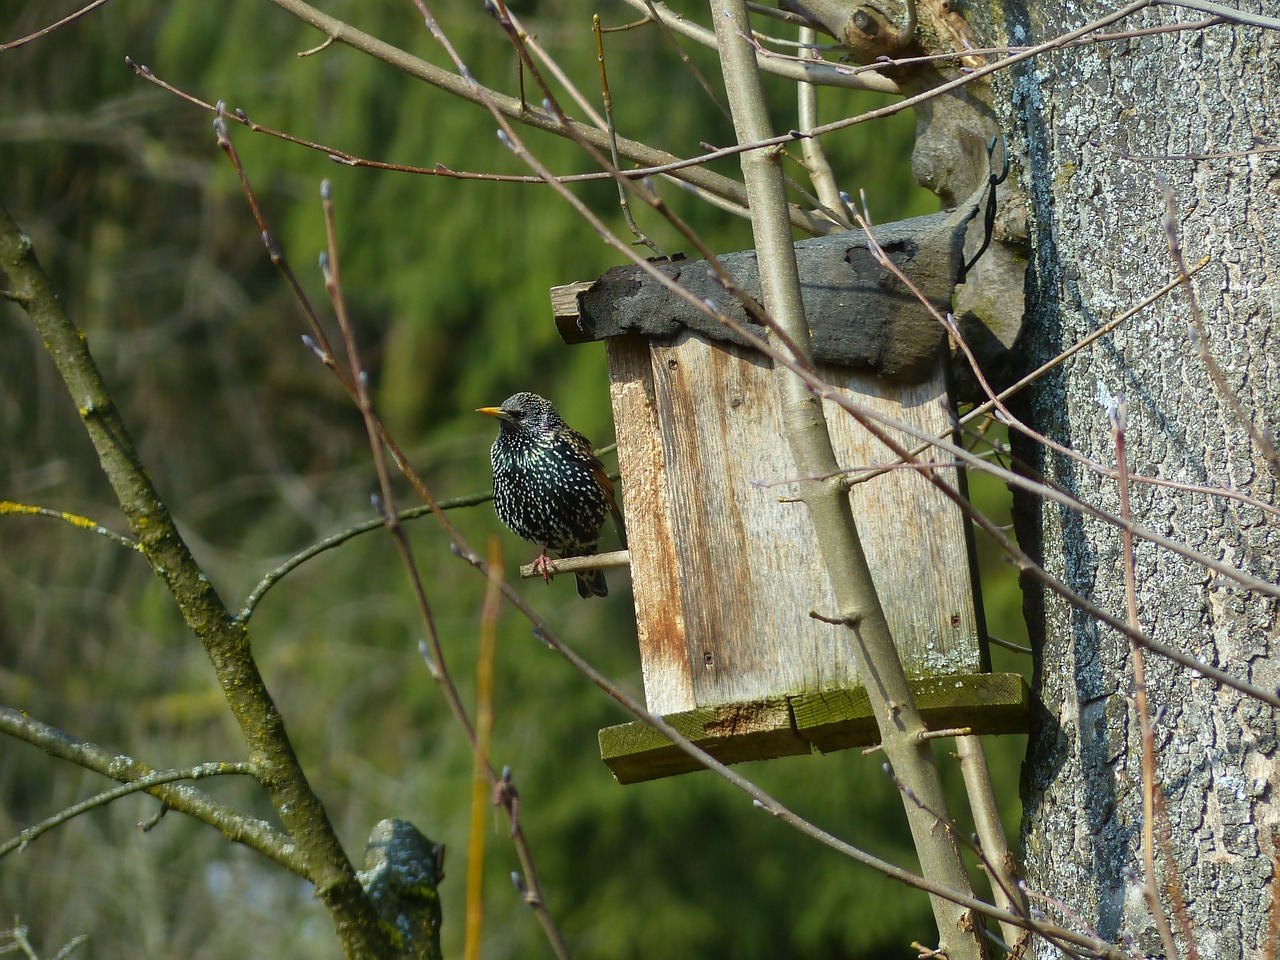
[
  {"x": 17, "y": 937},
  {"x": 1010, "y": 645},
  {"x": 1013, "y": 901},
  {"x": 480, "y": 787},
  {"x": 1093, "y": 39},
  {"x": 1233, "y": 14},
  {"x": 784, "y": 16},
  {"x": 468, "y": 88},
  {"x": 1172, "y": 882},
  {"x": 319, "y": 342},
  {"x": 820, "y": 72},
  {"x": 1046, "y": 491},
  {"x": 986, "y": 407},
  {"x": 1005, "y": 415},
  {"x": 521, "y": 40},
  {"x": 607, "y": 99},
  {"x": 1072, "y": 917},
  {"x": 546, "y": 633},
  {"x": 438, "y": 170},
  {"x": 721, "y": 187},
  {"x": 815, "y": 158},
  {"x": 877, "y": 422},
  {"x": 144, "y": 783},
  {"x": 1117, "y": 412},
  {"x": 384, "y": 503},
  {"x": 45, "y": 31},
  {"x": 278, "y": 573},
  {"x": 597, "y": 561},
  {"x": 255, "y": 834},
  {"x": 1002, "y": 868},
  {"x": 808, "y": 438},
  {"x": 698, "y": 76},
  {"x": 1261, "y": 438},
  {"x": 10, "y": 507},
  {"x": 968, "y": 77}
]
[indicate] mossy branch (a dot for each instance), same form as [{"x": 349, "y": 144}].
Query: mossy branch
[
  {"x": 224, "y": 638},
  {"x": 253, "y": 833}
]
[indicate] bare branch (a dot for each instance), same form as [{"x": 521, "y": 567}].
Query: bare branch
[
  {"x": 1261, "y": 438},
  {"x": 225, "y": 640},
  {"x": 254, "y": 834},
  {"x": 384, "y": 504},
  {"x": 817, "y": 72},
  {"x": 145, "y": 783},
  {"x": 815, "y": 158},
  {"x": 8, "y": 507},
  {"x": 1116, "y": 408},
  {"x": 897, "y": 717},
  {"x": 45, "y": 31},
  {"x": 1225, "y": 12},
  {"x": 513, "y": 109}
]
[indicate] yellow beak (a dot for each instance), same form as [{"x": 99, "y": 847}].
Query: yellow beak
[{"x": 491, "y": 411}]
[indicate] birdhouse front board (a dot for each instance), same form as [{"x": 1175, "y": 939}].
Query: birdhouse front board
[{"x": 730, "y": 571}]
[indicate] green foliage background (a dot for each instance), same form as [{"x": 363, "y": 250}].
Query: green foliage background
[{"x": 140, "y": 221}]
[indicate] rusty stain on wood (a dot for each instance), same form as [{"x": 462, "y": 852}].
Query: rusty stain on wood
[{"x": 661, "y": 630}]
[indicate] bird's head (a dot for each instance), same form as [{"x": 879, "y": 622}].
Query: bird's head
[{"x": 525, "y": 413}]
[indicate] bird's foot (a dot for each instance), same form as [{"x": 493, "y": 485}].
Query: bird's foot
[{"x": 542, "y": 565}]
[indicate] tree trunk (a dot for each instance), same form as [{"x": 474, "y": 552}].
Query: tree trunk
[{"x": 1086, "y": 125}]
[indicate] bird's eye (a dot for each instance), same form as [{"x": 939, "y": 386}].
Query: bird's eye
[{"x": 517, "y": 414}]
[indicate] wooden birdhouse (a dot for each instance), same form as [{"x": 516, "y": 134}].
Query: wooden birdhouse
[{"x": 726, "y": 576}]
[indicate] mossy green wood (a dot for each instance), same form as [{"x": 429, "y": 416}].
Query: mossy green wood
[{"x": 982, "y": 703}]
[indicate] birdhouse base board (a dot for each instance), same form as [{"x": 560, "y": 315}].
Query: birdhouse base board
[{"x": 985, "y": 703}]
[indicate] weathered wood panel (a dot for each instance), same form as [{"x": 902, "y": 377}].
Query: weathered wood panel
[
  {"x": 913, "y": 535},
  {"x": 726, "y": 572},
  {"x": 986, "y": 703},
  {"x": 654, "y": 582}
]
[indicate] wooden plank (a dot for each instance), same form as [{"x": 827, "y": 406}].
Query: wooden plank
[
  {"x": 835, "y": 720},
  {"x": 748, "y": 572},
  {"x": 986, "y": 703},
  {"x": 566, "y": 310},
  {"x": 744, "y": 561},
  {"x": 733, "y": 733},
  {"x": 659, "y": 610},
  {"x": 860, "y": 316},
  {"x": 914, "y": 537}
]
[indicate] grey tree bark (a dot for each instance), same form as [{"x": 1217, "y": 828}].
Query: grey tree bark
[{"x": 1098, "y": 245}]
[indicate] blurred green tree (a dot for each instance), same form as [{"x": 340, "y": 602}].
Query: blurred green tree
[{"x": 142, "y": 226}]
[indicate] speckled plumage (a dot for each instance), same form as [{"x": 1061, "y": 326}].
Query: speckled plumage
[{"x": 548, "y": 486}]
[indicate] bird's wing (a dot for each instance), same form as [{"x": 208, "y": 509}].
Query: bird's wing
[{"x": 606, "y": 484}]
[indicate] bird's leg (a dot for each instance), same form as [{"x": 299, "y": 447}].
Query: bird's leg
[{"x": 541, "y": 564}]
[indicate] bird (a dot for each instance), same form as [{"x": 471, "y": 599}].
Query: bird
[{"x": 549, "y": 487}]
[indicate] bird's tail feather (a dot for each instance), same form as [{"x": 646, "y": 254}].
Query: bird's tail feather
[
  {"x": 617, "y": 522},
  {"x": 591, "y": 583}
]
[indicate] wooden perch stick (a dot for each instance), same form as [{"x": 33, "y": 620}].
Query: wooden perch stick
[{"x": 598, "y": 561}]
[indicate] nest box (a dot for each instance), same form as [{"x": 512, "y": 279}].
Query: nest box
[{"x": 725, "y": 571}]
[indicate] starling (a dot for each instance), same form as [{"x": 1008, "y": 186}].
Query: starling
[{"x": 548, "y": 486}]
